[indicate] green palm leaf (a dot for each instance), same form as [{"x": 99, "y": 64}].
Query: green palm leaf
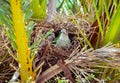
[{"x": 113, "y": 33}]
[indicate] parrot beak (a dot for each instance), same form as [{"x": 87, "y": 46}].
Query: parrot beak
[{"x": 64, "y": 31}]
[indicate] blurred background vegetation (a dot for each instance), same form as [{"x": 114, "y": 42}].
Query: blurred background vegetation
[{"x": 103, "y": 14}]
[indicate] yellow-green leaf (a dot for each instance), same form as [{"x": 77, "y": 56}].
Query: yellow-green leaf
[{"x": 113, "y": 33}]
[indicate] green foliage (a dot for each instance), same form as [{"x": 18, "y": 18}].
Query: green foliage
[
  {"x": 26, "y": 8},
  {"x": 68, "y": 6},
  {"x": 7, "y": 23},
  {"x": 5, "y": 13},
  {"x": 39, "y": 8},
  {"x": 98, "y": 16},
  {"x": 106, "y": 9},
  {"x": 5, "y": 19},
  {"x": 113, "y": 32},
  {"x": 29, "y": 29}
]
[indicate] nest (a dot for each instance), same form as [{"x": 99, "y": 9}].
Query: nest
[
  {"x": 49, "y": 57},
  {"x": 50, "y": 54}
]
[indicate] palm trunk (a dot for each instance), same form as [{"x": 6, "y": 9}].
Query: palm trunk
[{"x": 51, "y": 10}]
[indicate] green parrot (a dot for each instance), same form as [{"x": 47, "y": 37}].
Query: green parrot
[{"x": 62, "y": 40}]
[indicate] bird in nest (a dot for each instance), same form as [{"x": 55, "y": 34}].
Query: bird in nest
[{"x": 62, "y": 40}]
